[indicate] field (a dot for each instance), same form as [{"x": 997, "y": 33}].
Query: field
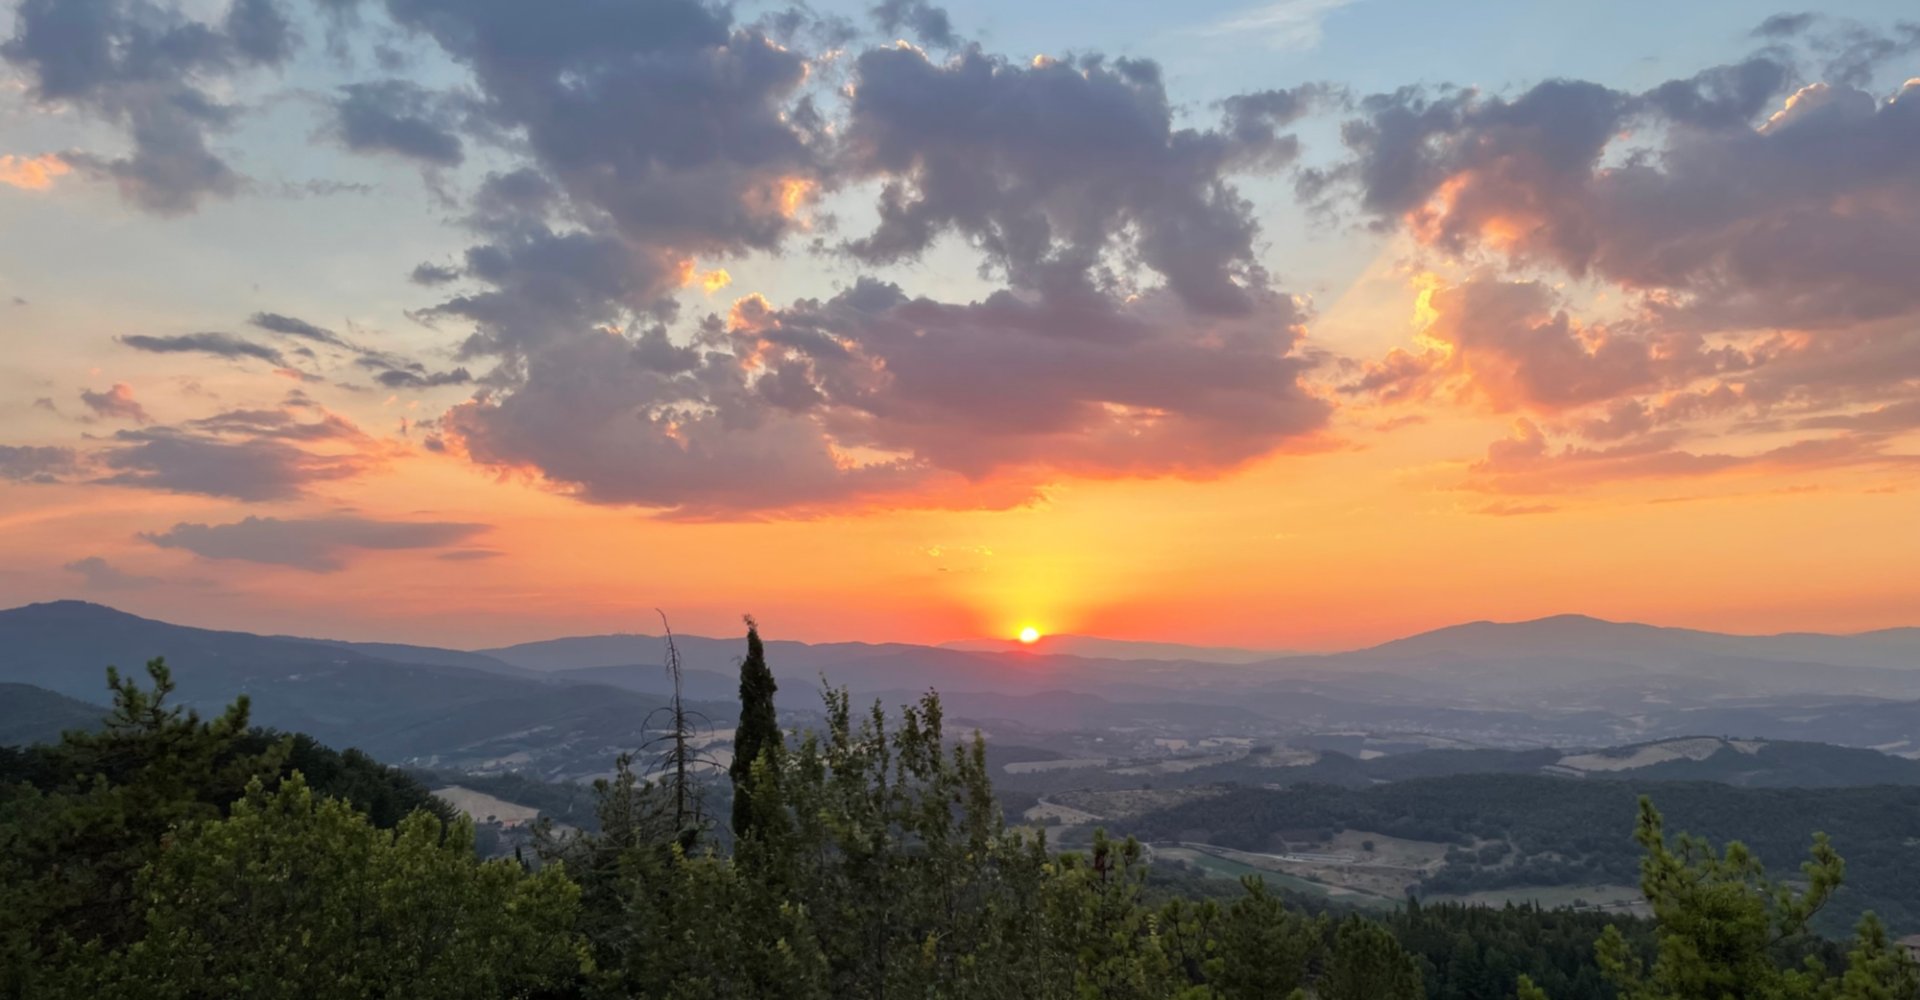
[
  {"x": 1225, "y": 865},
  {"x": 481, "y": 807},
  {"x": 1066, "y": 764}
]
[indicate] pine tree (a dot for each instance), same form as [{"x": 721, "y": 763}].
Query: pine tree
[
  {"x": 1727, "y": 929},
  {"x": 758, "y": 734},
  {"x": 1261, "y": 949},
  {"x": 69, "y": 856},
  {"x": 1368, "y": 964}
]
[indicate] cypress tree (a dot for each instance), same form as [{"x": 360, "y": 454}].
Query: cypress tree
[{"x": 759, "y": 731}]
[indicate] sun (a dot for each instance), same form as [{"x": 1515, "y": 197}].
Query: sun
[{"x": 1029, "y": 635}]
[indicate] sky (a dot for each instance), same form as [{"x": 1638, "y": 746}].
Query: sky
[{"x": 1292, "y": 325}]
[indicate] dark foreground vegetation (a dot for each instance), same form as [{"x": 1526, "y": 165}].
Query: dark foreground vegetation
[{"x": 168, "y": 856}]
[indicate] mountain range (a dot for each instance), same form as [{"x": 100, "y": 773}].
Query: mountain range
[{"x": 566, "y": 706}]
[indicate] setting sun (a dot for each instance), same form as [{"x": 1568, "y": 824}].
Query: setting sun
[{"x": 1029, "y": 634}]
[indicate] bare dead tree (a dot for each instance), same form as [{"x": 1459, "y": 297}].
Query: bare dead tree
[{"x": 673, "y": 751}]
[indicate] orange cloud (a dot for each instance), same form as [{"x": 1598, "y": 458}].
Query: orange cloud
[{"x": 32, "y": 173}]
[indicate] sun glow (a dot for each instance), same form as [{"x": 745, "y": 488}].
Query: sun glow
[{"x": 1029, "y": 634}]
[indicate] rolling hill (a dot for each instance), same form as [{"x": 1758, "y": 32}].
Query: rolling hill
[
  {"x": 30, "y": 714},
  {"x": 430, "y": 714}
]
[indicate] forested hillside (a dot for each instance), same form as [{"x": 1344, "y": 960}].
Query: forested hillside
[
  {"x": 164, "y": 855},
  {"x": 1524, "y": 830}
]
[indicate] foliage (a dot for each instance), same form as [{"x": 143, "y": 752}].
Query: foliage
[
  {"x": 1472, "y": 952},
  {"x": 69, "y": 855},
  {"x": 166, "y": 856},
  {"x": 759, "y": 732},
  {"x": 1727, "y": 930},
  {"x": 1368, "y": 964},
  {"x": 294, "y": 896}
]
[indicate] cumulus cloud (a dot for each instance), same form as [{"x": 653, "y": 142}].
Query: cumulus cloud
[
  {"x": 1758, "y": 233},
  {"x": 99, "y": 575},
  {"x": 1053, "y": 167},
  {"x": 116, "y": 403},
  {"x": 667, "y": 119},
  {"x": 1532, "y": 180},
  {"x": 874, "y": 396},
  {"x": 317, "y": 545},
  {"x": 926, "y": 22},
  {"x": 664, "y": 134},
  {"x": 154, "y": 72},
  {"x": 401, "y": 118}
]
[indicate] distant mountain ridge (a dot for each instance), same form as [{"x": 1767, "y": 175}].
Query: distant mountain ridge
[
  {"x": 1098, "y": 648},
  {"x": 1561, "y": 681}
]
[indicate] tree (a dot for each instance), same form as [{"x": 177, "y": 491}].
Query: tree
[
  {"x": 1726, "y": 930},
  {"x": 1366, "y": 963},
  {"x": 678, "y": 755},
  {"x": 69, "y": 855},
  {"x": 758, "y": 734},
  {"x": 1261, "y": 950},
  {"x": 297, "y": 896}
]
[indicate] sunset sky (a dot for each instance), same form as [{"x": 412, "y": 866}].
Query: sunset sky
[{"x": 1293, "y": 325}]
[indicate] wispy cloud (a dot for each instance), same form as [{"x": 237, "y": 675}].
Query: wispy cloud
[{"x": 1286, "y": 24}]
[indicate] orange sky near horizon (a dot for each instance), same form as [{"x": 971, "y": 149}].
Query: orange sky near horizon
[
  {"x": 1295, "y": 355},
  {"x": 1365, "y": 539}
]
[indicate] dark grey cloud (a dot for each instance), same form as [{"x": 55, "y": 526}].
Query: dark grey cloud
[
  {"x": 390, "y": 370},
  {"x": 37, "y": 463},
  {"x": 547, "y": 286},
  {"x": 116, "y": 403},
  {"x": 1784, "y": 25},
  {"x": 1056, "y": 168},
  {"x": 662, "y": 137},
  {"x": 1844, "y": 51},
  {"x": 318, "y": 545},
  {"x": 260, "y": 31},
  {"x": 292, "y": 326},
  {"x": 99, "y": 575},
  {"x": 1254, "y": 118},
  {"x": 253, "y": 455},
  {"x": 926, "y": 22},
  {"x": 1761, "y": 232},
  {"x": 153, "y": 72},
  {"x": 665, "y": 120},
  {"x": 401, "y": 118},
  {"x": 1527, "y": 180},
  {"x": 220, "y": 345},
  {"x": 434, "y": 274},
  {"x": 961, "y": 405},
  {"x": 395, "y": 373}
]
